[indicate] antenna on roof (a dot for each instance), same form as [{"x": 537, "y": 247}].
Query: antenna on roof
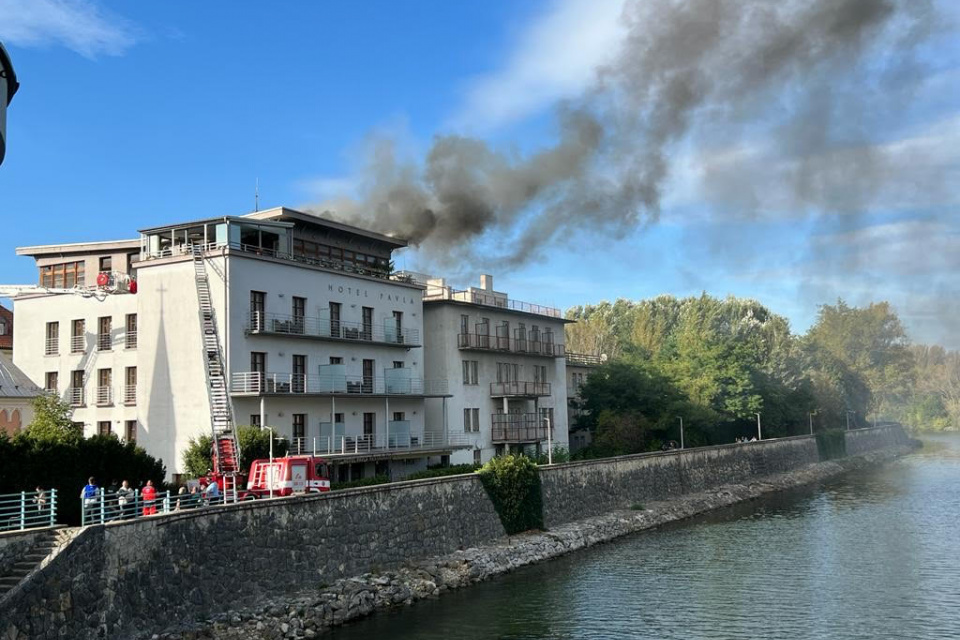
[{"x": 256, "y": 196}]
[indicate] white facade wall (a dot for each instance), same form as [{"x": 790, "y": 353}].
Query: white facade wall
[
  {"x": 444, "y": 359},
  {"x": 33, "y": 314}
]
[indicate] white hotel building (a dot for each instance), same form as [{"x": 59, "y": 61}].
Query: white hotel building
[{"x": 321, "y": 343}]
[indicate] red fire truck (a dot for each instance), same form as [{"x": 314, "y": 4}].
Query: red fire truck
[{"x": 287, "y": 476}]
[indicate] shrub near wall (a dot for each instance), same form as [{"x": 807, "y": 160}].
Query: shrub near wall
[
  {"x": 513, "y": 484},
  {"x": 832, "y": 444}
]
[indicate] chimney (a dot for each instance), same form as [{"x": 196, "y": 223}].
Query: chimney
[{"x": 486, "y": 282}]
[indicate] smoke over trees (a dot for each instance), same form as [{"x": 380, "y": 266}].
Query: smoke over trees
[{"x": 802, "y": 76}]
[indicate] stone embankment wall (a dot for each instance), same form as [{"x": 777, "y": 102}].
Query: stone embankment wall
[
  {"x": 861, "y": 441},
  {"x": 132, "y": 577}
]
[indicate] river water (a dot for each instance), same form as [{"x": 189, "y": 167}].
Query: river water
[{"x": 874, "y": 554}]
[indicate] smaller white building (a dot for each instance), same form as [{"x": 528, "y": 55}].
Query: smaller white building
[
  {"x": 504, "y": 360},
  {"x": 17, "y": 392}
]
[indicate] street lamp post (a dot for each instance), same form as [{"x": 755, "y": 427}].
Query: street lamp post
[
  {"x": 759, "y": 434},
  {"x": 811, "y": 423},
  {"x": 681, "y": 432},
  {"x": 848, "y": 418}
]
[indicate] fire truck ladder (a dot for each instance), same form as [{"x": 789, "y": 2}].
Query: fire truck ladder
[{"x": 226, "y": 449}]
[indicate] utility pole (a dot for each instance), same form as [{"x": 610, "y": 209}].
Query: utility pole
[
  {"x": 681, "y": 432},
  {"x": 759, "y": 434},
  {"x": 549, "y": 441},
  {"x": 811, "y": 423}
]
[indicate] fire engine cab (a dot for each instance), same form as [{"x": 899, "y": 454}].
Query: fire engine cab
[{"x": 287, "y": 476}]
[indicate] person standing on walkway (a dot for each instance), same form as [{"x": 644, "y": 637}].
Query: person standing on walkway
[
  {"x": 149, "y": 499},
  {"x": 88, "y": 495},
  {"x": 125, "y": 500}
]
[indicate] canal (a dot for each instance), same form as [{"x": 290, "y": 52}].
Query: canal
[{"x": 874, "y": 554}]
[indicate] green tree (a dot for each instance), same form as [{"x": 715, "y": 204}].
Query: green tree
[
  {"x": 254, "y": 445},
  {"x": 52, "y": 421}
]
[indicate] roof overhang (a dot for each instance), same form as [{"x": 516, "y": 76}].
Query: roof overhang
[
  {"x": 283, "y": 213},
  {"x": 78, "y": 247}
]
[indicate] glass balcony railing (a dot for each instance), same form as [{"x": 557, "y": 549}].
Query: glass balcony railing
[
  {"x": 325, "y": 328},
  {"x": 253, "y": 382}
]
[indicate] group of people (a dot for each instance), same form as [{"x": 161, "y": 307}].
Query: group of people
[
  {"x": 121, "y": 502},
  {"x": 745, "y": 439}
]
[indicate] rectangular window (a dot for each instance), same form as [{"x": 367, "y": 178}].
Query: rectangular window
[
  {"x": 104, "y": 386},
  {"x": 299, "y": 426},
  {"x": 335, "y": 319},
  {"x": 78, "y": 336},
  {"x": 369, "y": 426},
  {"x": 299, "y": 314},
  {"x": 369, "y": 367},
  {"x": 103, "y": 428},
  {"x": 63, "y": 276},
  {"x": 471, "y": 420},
  {"x": 367, "y": 323},
  {"x": 130, "y": 341},
  {"x": 464, "y": 324},
  {"x": 130, "y": 386},
  {"x": 539, "y": 373},
  {"x": 398, "y": 325},
  {"x": 131, "y": 431},
  {"x": 470, "y": 371},
  {"x": 52, "y": 381},
  {"x": 476, "y": 456},
  {"x": 104, "y": 339},
  {"x": 258, "y": 361},
  {"x": 338, "y": 418},
  {"x": 258, "y": 309},
  {"x": 106, "y": 263},
  {"x": 399, "y": 416},
  {"x": 476, "y": 419},
  {"x": 299, "y": 373},
  {"x": 254, "y": 419},
  {"x": 336, "y": 360},
  {"x": 52, "y": 346},
  {"x": 398, "y": 364}
]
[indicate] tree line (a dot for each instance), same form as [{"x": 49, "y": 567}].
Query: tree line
[{"x": 716, "y": 363}]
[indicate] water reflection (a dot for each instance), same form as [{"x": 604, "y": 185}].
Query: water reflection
[{"x": 871, "y": 555}]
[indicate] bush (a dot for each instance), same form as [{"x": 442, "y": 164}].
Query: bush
[
  {"x": 439, "y": 472},
  {"x": 560, "y": 454},
  {"x": 513, "y": 484},
  {"x": 363, "y": 482},
  {"x": 831, "y": 444}
]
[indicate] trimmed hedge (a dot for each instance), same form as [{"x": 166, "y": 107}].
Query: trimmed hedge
[
  {"x": 832, "y": 444},
  {"x": 439, "y": 472},
  {"x": 363, "y": 482},
  {"x": 513, "y": 484}
]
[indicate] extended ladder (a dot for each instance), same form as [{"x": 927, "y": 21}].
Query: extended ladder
[{"x": 226, "y": 449}]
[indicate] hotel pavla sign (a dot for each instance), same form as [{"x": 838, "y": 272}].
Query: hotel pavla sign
[{"x": 360, "y": 292}]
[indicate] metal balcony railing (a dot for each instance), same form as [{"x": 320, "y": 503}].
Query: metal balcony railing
[
  {"x": 104, "y": 396},
  {"x": 296, "y": 383},
  {"x": 75, "y": 396},
  {"x": 353, "y": 444},
  {"x": 518, "y": 427},
  {"x": 78, "y": 344},
  {"x": 488, "y": 300},
  {"x": 51, "y": 346},
  {"x": 509, "y": 345},
  {"x": 104, "y": 342},
  {"x": 584, "y": 359},
  {"x": 316, "y": 327},
  {"x": 130, "y": 342},
  {"x": 28, "y": 510},
  {"x": 130, "y": 394},
  {"x": 519, "y": 388}
]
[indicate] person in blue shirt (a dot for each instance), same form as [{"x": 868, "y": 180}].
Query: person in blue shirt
[{"x": 89, "y": 497}]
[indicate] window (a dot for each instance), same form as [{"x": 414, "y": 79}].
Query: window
[
  {"x": 508, "y": 372},
  {"x": 130, "y": 386},
  {"x": 3, "y": 326},
  {"x": 299, "y": 314},
  {"x": 335, "y": 319},
  {"x": 104, "y": 386},
  {"x": 476, "y": 456},
  {"x": 78, "y": 336},
  {"x": 471, "y": 420},
  {"x": 338, "y": 418},
  {"x": 103, "y": 428},
  {"x": 398, "y": 364},
  {"x": 131, "y": 336},
  {"x": 336, "y": 360},
  {"x": 258, "y": 361},
  {"x": 106, "y": 263},
  {"x": 254, "y": 419},
  {"x": 369, "y": 366},
  {"x": 104, "y": 339},
  {"x": 470, "y": 371},
  {"x": 398, "y": 324},
  {"x": 539, "y": 373},
  {"x": 399, "y": 416},
  {"x": 52, "y": 346},
  {"x": 130, "y": 431},
  {"x": 464, "y": 324},
  {"x": 367, "y": 323},
  {"x": 78, "y": 426},
  {"x": 299, "y": 373},
  {"x": 369, "y": 426},
  {"x": 258, "y": 307},
  {"x": 52, "y": 381},
  {"x": 65, "y": 275},
  {"x": 299, "y": 426}
]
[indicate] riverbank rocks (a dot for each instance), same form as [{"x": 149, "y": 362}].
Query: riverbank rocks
[{"x": 310, "y": 613}]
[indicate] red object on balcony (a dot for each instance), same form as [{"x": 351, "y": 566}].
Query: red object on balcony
[{"x": 102, "y": 279}]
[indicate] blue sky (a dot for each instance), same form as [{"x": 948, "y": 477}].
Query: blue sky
[{"x": 135, "y": 114}]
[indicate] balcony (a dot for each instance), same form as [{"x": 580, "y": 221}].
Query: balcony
[
  {"x": 480, "y": 342},
  {"x": 75, "y": 397},
  {"x": 256, "y": 383},
  {"x": 104, "y": 342},
  {"x": 104, "y": 396},
  {"x": 473, "y": 296},
  {"x": 518, "y": 428},
  {"x": 399, "y": 440},
  {"x": 519, "y": 389},
  {"x": 130, "y": 341},
  {"x": 326, "y": 329},
  {"x": 584, "y": 359},
  {"x": 78, "y": 344},
  {"x": 52, "y": 347},
  {"x": 130, "y": 394}
]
